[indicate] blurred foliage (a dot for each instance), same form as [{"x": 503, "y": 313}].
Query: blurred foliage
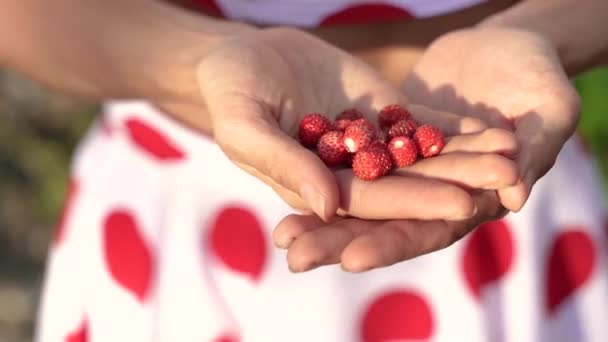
[
  {"x": 593, "y": 87},
  {"x": 38, "y": 133}
]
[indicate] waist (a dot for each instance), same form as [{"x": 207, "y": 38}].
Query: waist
[
  {"x": 393, "y": 47},
  {"x": 389, "y": 44}
]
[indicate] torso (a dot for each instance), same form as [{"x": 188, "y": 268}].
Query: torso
[{"x": 391, "y": 47}]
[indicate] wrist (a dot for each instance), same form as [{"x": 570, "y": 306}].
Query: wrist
[
  {"x": 574, "y": 29},
  {"x": 157, "y": 61},
  {"x": 513, "y": 20}
]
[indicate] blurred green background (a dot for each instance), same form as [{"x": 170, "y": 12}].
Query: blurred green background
[{"x": 38, "y": 133}]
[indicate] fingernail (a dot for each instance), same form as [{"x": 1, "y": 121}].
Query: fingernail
[
  {"x": 461, "y": 216},
  {"x": 285, "y": 242},
  {"x": 315, "y": 200}
]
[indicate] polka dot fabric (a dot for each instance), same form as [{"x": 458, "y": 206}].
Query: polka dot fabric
[
  {"x": 164, "y": 239},
  {"x": 309, "y": 13}
]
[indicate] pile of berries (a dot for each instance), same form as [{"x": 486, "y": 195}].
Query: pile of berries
[{"x": 354, "y": 141}]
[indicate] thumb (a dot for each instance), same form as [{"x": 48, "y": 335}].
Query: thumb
[
  {"x": 251, "y": 137},
  {"x": 541, "y": 135}
]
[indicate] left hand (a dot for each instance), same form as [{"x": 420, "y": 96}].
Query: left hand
[{"x": 511, "y": 79}]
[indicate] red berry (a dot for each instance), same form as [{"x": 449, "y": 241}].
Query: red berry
[
  {"x": 341, "y": 124},
  {"x": 430, "y": 140},
  {"x": 391, "y": 114},
  {"x": 404, "y": 151},
  {"x": 345, "y": 118},
  {"x": 350, "y": 114},
  {"x": 312, "y": 128},
  {"x": 372, "y": 162},
  {"x": 377, "y": 143},
  {"x": 403, "y": 128},
  {"x": 358, "y": 135},
  {"x": 331, "y": 150},
  {"x": 365, "y": 122}
]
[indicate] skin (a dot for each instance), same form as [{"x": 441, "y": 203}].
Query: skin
[
  {"x": 531, "y": 58},
  {"x": 206, "y": 73},
  {"x": 542, "y": 111}
]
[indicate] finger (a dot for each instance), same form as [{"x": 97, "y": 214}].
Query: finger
[
  {"x": 254, "y": 140},
  {"x": 292, "y": 226},
  {"x": 323, "y": 246},
  {"x": 293, "y": 199},
  {"x": 394, "y": 197},
  {"x": 541, "y": 135},
  {"x": 491, "y": 140},
  {"x": 449, "y": 123},
  {"x": 470, "y": 170},
  {"x": 397, "y": 241}
]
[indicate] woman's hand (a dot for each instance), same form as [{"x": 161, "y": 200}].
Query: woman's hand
[
  {"x": 255, "y": 88},
  {"x": 510, "y": 79}
]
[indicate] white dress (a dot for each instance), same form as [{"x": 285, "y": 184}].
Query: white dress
[{"x": 163, "y": 239}]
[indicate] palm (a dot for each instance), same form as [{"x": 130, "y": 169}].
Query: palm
[
  {"x": 509, "y": 79},
  {"x": 292, "y": 74},
  {"x": 256, "y": 89}
]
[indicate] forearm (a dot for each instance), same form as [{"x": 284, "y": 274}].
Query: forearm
[
  {"x": 577, "y": 29},
  {"x": 105, "y": 48}
]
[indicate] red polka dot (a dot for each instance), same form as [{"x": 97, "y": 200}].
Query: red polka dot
[
  {"x": 488, "y": 255},
  {"x": 127, "y": 256},
  {"x": 80, "y": 334},
  {"x": 68, "y": 204},
  {"x": 210, "y": 7},
  {"x": 397, "y": 315},
  {"x": 152, "y": 141},
  {"x": 227, "y": 338},
  {"x": 571, "y": 263},
  {"x": 237, "y": 239},
  {"x": 367, "y": 13}
]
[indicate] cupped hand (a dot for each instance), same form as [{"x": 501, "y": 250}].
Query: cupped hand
[
  {"x": 508, "y": 78},
  {"x": 257, "y": 86},
  {"x": 360, "y": 244}
]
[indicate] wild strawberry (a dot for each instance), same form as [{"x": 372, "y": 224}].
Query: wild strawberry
[
  {"x": 358, "y": 135},
  {"x": 403, "y": 150},
  {"x": 372, "y": 162},
  {"x": 430, "y": 140},
  {"x": 350, "y": 114},
  {"x": 365, "y": 122},
  {"x": 403, "y": 128},
  {"x": 391, "y": 114},
  {"x": 341, "y": 124},
  {"x": 331, "y": 150},
  {"x": 312, "y": 128}
]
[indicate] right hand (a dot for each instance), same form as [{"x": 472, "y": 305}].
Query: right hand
[{"x": 256, "y": 87}]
